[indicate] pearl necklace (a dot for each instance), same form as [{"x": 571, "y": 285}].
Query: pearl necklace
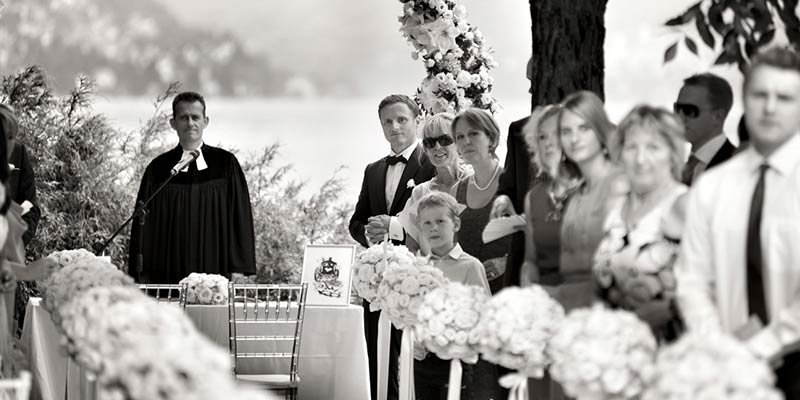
[{"x": 482, "y": 189}]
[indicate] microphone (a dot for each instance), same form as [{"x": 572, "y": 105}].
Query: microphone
[{"x": 185, "y": 162}]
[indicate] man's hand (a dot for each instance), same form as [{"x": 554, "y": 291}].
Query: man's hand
[
  {"x": 377, "y": 228},
  {"x": 502, "y": 207}
]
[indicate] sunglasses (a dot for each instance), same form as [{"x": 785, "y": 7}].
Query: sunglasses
[
  {"x": 689, "y": 110},
  {"x": 443, "y": 140}
]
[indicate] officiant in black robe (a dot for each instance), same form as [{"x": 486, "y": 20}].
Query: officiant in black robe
[{"x": 202, "y": 220}]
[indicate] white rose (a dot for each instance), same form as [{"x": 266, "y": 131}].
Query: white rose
[{"x": 460, "y": 11}]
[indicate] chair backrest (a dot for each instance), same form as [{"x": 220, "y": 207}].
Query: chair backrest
[
  {"x": 166, "y": 293},
  {"x": 266, "y": 317},
  {"x": 18, "y": 388}
]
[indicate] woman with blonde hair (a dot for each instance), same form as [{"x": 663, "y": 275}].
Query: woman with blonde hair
[
  {"x": 437, "y": 139},
  {"x": 642, "y": 227},
  {"x": 586, "y": 136},
  {"x": 544, "y": 202}
]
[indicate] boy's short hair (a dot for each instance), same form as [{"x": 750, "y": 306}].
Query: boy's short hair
[{"x": 438, "y": 199}]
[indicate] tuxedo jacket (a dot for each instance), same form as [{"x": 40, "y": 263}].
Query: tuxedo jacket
[
  {"x": 723, "y": 154},
  {"x": 372, "y": 199},
  {"x": 22, "y": 187}
]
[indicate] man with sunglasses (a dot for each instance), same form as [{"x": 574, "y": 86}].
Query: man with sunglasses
[
  {"x": 386, "y": 188},
  {"x": 703, "y": 104}
]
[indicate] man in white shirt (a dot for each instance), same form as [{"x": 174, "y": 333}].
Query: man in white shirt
[
  {"x": 703, "y": 104},
  {"x": 386, "y": 188},
  {"x": 739, "y": 268}
]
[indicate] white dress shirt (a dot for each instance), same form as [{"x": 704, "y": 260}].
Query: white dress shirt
[
  {"x": 201, "y": 161},
  {"x": 712, "y": 267},
  {"x": 706, "y": 153},
  {"x": 393, "y": 175}
]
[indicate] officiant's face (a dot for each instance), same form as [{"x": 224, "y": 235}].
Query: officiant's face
[
  {"x": 189, "y": 122},
  {"x": 399, "y": 126}
]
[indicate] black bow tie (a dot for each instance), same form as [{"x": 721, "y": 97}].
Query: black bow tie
[{"x": 392, "y": 160}]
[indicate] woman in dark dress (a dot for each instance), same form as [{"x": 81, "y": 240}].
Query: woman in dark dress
[{"x": 477, "y": 135}]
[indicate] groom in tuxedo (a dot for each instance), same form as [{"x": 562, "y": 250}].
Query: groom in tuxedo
[{"x": 386, "y": 187}]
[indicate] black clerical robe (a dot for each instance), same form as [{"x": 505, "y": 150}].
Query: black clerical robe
[{"x": 201, "y": 221}]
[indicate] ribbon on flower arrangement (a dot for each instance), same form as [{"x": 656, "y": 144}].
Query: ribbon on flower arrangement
[
  {"x": 407, "y": 365},
  {"x": 384, "y": 335},
  {"x": 517, "y": 385},
  {"x": 454, "y": 383}
]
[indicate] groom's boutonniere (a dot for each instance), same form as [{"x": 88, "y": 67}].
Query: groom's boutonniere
[{"x": 411, "y": 184}]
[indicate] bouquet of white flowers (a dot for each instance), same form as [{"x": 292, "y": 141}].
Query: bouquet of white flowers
[
  {"x": 370, "y": 266},
  {"x": 602, "y": 354},
  {"x": 515, "y": 328},
  {"x": 712, "y": 366},
  {"x": 103, "y": 322},
  {"x": 446, "y": 318},
  {"x": 402, "y": 289},
  {"x": 67, "y": 257},
  {"x": 632, "y": 276},
  {"x": 78, "y": 277},
  {"x": 206, "y": 288}
]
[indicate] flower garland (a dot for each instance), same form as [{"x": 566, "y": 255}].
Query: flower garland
[{"x": 454, "y": 54}]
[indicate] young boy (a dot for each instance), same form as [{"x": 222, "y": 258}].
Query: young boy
[
  {"x": 437, "y": 217},
  {"x": 438, "y": 222}
]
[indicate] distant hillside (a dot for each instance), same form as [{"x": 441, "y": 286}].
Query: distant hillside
[{"x": 129, "y": 48}]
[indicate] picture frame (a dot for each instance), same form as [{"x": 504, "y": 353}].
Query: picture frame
[{"x": 327, "y": 268}]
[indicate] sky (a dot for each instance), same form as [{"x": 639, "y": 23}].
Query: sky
[{"x": 305, "y": 35}]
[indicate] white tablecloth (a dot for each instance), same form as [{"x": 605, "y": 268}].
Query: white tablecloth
[{"x": 333, "y": 354}]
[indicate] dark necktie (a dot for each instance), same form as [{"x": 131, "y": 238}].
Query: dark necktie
[
  {"x": 688, "y": 170},
  {"x": 392, "y": 160},
  {"x": 756, "y": 301}
]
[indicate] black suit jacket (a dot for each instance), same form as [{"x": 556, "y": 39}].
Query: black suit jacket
[
  {"x": 372, "y": 199},
  {"x": 516, "y": 178},
  {"x": 22, "y": 186},
  {"x": 723, "y": 154}
]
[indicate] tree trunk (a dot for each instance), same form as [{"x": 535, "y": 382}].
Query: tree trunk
[{"x": 567, "y": 51}]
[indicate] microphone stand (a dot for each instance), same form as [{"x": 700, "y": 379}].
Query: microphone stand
[{"x": 139, "y": 213}]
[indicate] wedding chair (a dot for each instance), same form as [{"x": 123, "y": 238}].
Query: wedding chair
[
  {"x": 266, "y": 322},
  {"x": 172, "y": 294},
  {"x": 18, "y": 388}
]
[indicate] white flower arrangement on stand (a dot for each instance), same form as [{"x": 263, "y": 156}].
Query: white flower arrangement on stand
[
  {"x": 445, "y": 322},
  {"x": 402, "y": 291},
  {"x": 710, "y": 366},
  {"x": 67, "y": 257},
  {"x": 371, "y": 265},
  {"x": 514, "y": 331},
  {"x": 454, "y": 54},
  {"x": 400, "y": 294},
  {"x": 206, "y": 288},
  {"x": 76, "y": 278},
  {"x": 103, "y": 322},
  {"x": 602, "y": 354}
]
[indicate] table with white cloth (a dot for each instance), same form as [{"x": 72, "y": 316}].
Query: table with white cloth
[{"x": 333, "y": 354}]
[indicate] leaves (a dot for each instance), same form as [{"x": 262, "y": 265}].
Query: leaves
[
  {"x": 684, "y": 18},
  {"x": 690, "y": 44},
  {"x": 704, "y": 32},
  {"x": 671, "y": 52}
]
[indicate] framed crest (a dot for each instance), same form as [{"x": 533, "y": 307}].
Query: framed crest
[{"x": 327, "y": 269}]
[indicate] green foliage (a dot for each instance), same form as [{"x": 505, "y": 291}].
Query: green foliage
[
  {"x": 88, "y": 172},
  {"x": 743, "y": 27}
]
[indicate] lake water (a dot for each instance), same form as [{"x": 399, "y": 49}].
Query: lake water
[{"x": 316, "y": 135}]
